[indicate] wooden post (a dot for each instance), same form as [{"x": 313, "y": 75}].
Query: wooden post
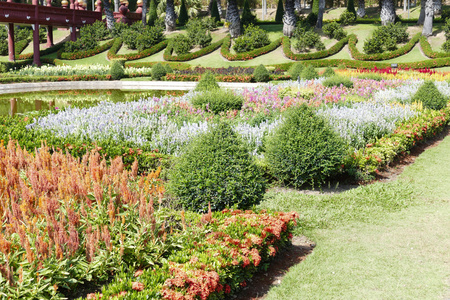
[
  {"x": 73, "y": 33},
  {"x": 13, "y": 107},
  {"x": 11, "y": 46},
  {"x": 35, "y": 26},
  {"x": 49, "y": 36}
]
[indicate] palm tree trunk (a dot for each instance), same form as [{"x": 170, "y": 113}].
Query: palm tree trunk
[
  {"x": 387, "y": 14},
  {"x": 297, "y": 5},
  {"x": 144, "y": 12},
  {"x": 437, "y": 6},
  {"x": 428, "y": 23},
  {"x": 171, "y": 16},
  {"x": 109, "y": 15},
  {"x": 289, "y": 18},
  {"x": 422, "y": 13},
  {"x": 361, "y": 12},
  {"x": 233, "y": 18},
  {"x": 116, "y": 5},
  {"x": 319, "y": 23}
]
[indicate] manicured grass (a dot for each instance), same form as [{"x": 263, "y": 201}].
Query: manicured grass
[
  {"x": 96, "y": 59},
  {"x": 414, "y": 55},
  {"x": 381, "y": 241},
  {"x": 58, "y": 35}
]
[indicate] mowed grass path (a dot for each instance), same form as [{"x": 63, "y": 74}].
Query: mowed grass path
[{"x": 383, "y": 241}]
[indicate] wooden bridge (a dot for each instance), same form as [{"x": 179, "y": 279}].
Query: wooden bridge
[{"x": 73, "y": 17}]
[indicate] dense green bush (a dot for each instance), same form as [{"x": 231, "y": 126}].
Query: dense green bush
[
  {"x": 117, "y": 71},
  {"x": 182, "y": 44},
  {"x": 296, "y": 70},
  {"x": 309, "y": 73},
  {"x": 198, "y": 33},
  {"x": 261, "y": 74},
  {"x": 96, "y": 30},
  {"x": 247, "y": 16},
  {"x": 329, "y": 72},
  {"x": 217, "y": 100},
  {"x": 304, "y": 149},
  {"x": 207, "y": 83},
  {"x": 158, "y": 71},
  {"x": 351, "y": 7},
  {"x": 307, "y": 39},
  {"x": 334, "y": 31},
  {"x": 311, "y": 19},
  {"x": 338, "y": 81},
  {"x": 446, "y": 46},
  {"x": 3, "y": 40},
  {"x": 142, "y": 37},
  {"x": 152, "y": 14},
  {"x": 216, "y": 168},
  {"x": 347, "y": 18},
  {"x": 254, "y": 37},
  {"x": 215, "y": 15},
  {"x": 280, "y": 12},
  {"x": 183, "y": 16},
  {"x": 168, "y": 68},
  {"x": 430, "y": 96},
  {"x": 118, "y": 28},
  {"x": 386, "y": 38},
  {"x": 83, "y": 43},
  {"x": 445, "y": 14}
]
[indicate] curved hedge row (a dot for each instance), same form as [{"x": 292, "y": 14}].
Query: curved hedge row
[
  {"x": 149, "y": 64},
  {"x": 112, "y": 53},
  {"x": 225, "y": 50},
  {"x": 49, "y": 50},
  {"x": 380, "y": 56},
  {"x": 307, "y": 56},
  {"x": 20, "y": 46},
  {"x": 84, "y": 54},
  {"x": 54, "y": 78},
  {"x": 426, "y": 48},
  {"x": 188, "y": 56}
]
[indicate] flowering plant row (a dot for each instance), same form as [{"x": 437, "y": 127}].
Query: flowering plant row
[
  {"x": 54, "y": 78},
  {"x": 223, "y": 78},
  {"x": 84, "y": 54},
  {"x": 380, "y": 56},
  {"x": 184, "y": 57},
  {"x": 225, "y": 50},
  {"x": 426, "y": 48},
  {"x": 314, "y": 55},
  {"x": 149, "y": 64},
  {"x": 112, "y": 53}
]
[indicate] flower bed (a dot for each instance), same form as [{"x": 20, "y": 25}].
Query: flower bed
[
  {"x": 184, "y": 57},
  {"x": 225, "y": 50},
  {"x": 315, "y": 55},
  {"x": 84, "y": 54},
  {"x": 54, "y": 78},
  {"x": 112, "y": 53}
]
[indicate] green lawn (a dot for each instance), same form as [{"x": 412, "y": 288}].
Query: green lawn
[{"x": 381, "y": 241}]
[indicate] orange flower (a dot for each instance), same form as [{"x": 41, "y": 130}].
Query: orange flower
[{"x": 137, "y": 286}]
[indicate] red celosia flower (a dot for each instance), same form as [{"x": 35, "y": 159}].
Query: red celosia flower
[
  {"x": 137, "y": 286},
  {"x": 138, "y": 273}
]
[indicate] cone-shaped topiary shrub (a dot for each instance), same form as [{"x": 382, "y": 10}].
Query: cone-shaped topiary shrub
[
  {"x": 217, "y": 168},
  {"x": 304, "y": 149},
  {"x": 207, "y": 83},
  {"x": 247, "y": 16},
  {"x": 215, "y": 11},
  {"x": 152, "y": 13},
  {"x": 280, "y": 12},
  {"x": 296, "y": 70},
  {"x": 158, "y": 71},
  {"x": 430, "y": 96},
  {"x": 309, "y": 73},
  {"x": 183, "y": 17},
  {"x": 351, "y": 7},
  {"x": 329, "y": 72},
  {"x": 117, "y": 70},
  {"x": 261, "y": 74},
  {"x": 168, "y": 69},
  {"x": 217, "y": 101}
]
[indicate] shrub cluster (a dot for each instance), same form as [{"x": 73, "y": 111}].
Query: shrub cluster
[
  {"x": 83, "y": 53},
  {"x": 430, "y": 96},
  {"x": 225, "y": 50},
  {"x": 217, "y": 100},
  {"x": 158, "y": 71},
  {"x": 338, "y": 81},
  {"x": 261, "y": 74},
  {"x": 347, "y": 17},
  {"x": 386, "y": 38},
  {"x": 206, "y": 83},
  {"x": 253, "y": 38},
  {"x": 307, "y": 39},
  {"x": 190, "y": 55},
  {"x": 334, "y": 31},
  {"x": 446, "y": 28},
  {"x": 329, "y": 72},
  {"x": 384, "y": 55},
  {"x": 112, "y": 52},
  {"x": 295, "y": 71},
  {"x": 314, "y": 55},
  {"x": 198, "y": 32},
  {"x": 141, "y": 37},
  {"x": 117, "y": 71}
]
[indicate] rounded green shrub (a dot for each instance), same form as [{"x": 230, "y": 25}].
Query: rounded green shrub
[
  {"x": 296, "y": 70},
  {"x": 182, "y": 44},
  {"x": 261, "y": 74},
  {"x": 347, "y": 18},
  {"x": 329, "y": 72},
  {"x": 430, "y": 96},
  {"x": 168, "y": 68},
  {"x": 158, "y": 71},
  {"x": 304, "y": 149},
  {"x": 117, "y": 71},
  {"x": 217, "y": 101},
  {"x": 309, "y": 73},
  {"x": 216, "y": 168},
  {"x": 207, "y": 83},
  {"x": 338, "y": 81}
]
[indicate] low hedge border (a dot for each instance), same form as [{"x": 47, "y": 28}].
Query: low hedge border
[
  {"x": 149, "y": 64},
  {"x": 20, "y": 46},
  {"x": 225, "y": 50},
  {"x": 112, "y": 53},
  {"x": 54, "y": 78},
  {"x": 380, "y": 56},
  {"x": 315, "y": 55},
  {"x": 221, "y": 78},
  {"x": 84, "y": 54},
  {"x": 47, "y": 51},
  {"x": 426, "y": 49},
  {"x": 188, "y": 56}
]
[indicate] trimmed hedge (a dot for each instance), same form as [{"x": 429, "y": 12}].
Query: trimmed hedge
[
  {"x": 169, "y": 50},
  {"x": 20, "y": 46},
  {"x": 380, "y": 56},
  {"x": 225, "y": 50},
  {"x": 220, "y": 78},
  {"x": 426, "y": 48},
  {"x": 315, "y": 55},
  {"x": 54, "y": 78},
  {"x": 49, "y": 50},
  {"x": 112, "y": 52},
  {"x": 84, "y": 54},
  {"x": 149, "y": 64}
]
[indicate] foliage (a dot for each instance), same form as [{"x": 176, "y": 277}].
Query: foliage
[
  {"x": 217, "y": 168},
  {"x": 386, "y": 38},
  {"x": 152, "y": 14},
  {"x": 311, "y": 18},
  {"x": 215, "y": 15},
  {"x": 96, "y": 30},
  {"x": 183, "y": 15},
  {"x": 112, "y": 53},
  {"x": 430, "y": 96},
  {"x": 182, "y": 44},
  {"x": 351, "y": 7},
  {"x": 191, "y": 55},
  {"x": 254, "y": 37},
  {"x": 217, "y": 101},
  {"x": 347, "y": 17},
  {"x": 168, "y": 68},
  {"x": 158, "y": 71},
  {"x": 247, "y": 16},
  {"x": 207, "y": 83},
  {"x": 313, "y": 55},
  {"x": 315, "y": 7},
  {"x": 83, "y": 53},
  {"x": 198, "y": 32},
  {"x": 306, "y": 39},
  {"x": 296, "y": 70},
  {"x": 261, "y": 74},
  {"x": 118, "y": 29},
  {"x": 280, "y": 12},
  {"x": 117, "y": 71},
  {"x": 309, "y": 73},
  {"x": 225, "y": 50},
  {"x": 445, "y": 14},
  {"x": 142, "y": 37},
  {"x": 446, "y": 46},
  {"x": 338, "y": 81},
  {"x": 304, "y": 149},
  {"x": 334, "y": 31},
  {"x": 329, "y": 72}
]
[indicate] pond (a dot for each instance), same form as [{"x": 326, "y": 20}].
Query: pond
[{"x": 21, "y": 103}]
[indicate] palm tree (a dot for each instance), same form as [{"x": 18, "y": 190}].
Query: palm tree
[
  {"x": 109, "y": 15},
  {"x": 171, "y": 16},
  {"x": 437, "y": 7},
  {"x": 233, "y": 18},
  {"x": 387, "y": 14},
  {"x": 289, "y": 18},
  {"x": 428, "y": 22},
  {"x": 361, "y": 12},
  {"x": 144, "y": 12},
  {"x": 422, "y": 13},
  {"x": 320, "y": 15}
]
